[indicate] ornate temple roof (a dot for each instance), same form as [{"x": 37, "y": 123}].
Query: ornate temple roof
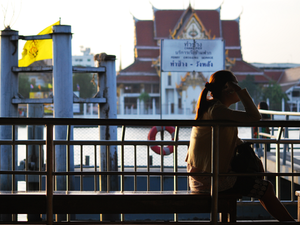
[
  {"x": 170, "y": 20},
  {"x": 191, "y": 23},
  {"x": 144, "y": 33}
]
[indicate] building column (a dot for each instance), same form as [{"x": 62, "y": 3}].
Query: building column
[
  {"x": 163, "y": 93},
  {"x": 122, "y": 105},
  {"x": 176, "y": 106},
  {"x": 153, "y": 106},
  {"x": 138, "y": 106}
]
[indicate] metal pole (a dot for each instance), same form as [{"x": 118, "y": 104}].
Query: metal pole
[
  {"x": 277, "y": 155},
  {"x": 63, "y": 95},
  {"x": 285, "y": 146},
  {"x": 8, "y": 89},
  {"x": 34, "y": 153},
  {"x": 175, "y": 169},
  {"x": 175, "y": 157},
  {"x": 215, "y": 172},
  {"x": 49, "y": 184},
  {"x": 107, "y": 89},
  {"x": 108, "y": 154},
  {"x": 63, "y": 103}
]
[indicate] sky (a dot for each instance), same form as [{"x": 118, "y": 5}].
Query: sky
[{"x": 269, "y": 29}]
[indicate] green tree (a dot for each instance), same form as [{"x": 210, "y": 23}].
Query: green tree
[
  {"x": 254, "y": 89},
  {"x": 274, "y": 93},
  {"x": 144, "y": 96},
  {"x": 84, "y": 83}
]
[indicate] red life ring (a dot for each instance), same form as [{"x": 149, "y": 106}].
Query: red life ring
[{"x": 151, "y": 136}]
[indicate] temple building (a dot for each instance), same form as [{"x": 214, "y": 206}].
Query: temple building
[{"x": 139, "y": 85}]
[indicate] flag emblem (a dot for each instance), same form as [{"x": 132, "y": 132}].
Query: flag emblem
[{"x": 35, "y": 50}]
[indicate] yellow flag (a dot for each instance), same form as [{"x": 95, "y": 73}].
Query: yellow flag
[{"x": 35, "y": 50}]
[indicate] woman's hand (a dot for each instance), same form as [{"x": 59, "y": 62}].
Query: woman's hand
[
  {"x": 232, "y": 87},
  {"x": 229, "y": 93}
]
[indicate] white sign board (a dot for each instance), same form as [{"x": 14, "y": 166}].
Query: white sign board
[{"x": 192, "y": 55}]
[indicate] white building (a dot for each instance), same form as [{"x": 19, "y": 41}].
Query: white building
[{"x": 87, "y": 59}]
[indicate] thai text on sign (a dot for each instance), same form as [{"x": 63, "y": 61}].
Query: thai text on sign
[{"x": 192, "y": 55}]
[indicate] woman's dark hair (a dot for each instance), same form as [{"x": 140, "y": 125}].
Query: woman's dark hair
[
  {"x": 216, "y": 84},
  {"x": 264, "y": 105}
]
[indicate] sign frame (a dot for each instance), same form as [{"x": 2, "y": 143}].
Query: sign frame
[{"x": 200, "y": 55}]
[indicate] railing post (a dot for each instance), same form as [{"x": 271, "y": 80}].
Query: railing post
[
  {"x": 175, "y": 157},
  {"x": 277, "y": 188},
  {"x": 285, "y": 146},
  {"x": 215, "y": 174},
  {"x": 175, "y": 160},
  {"x": 49, "y": 162},
  {"x": 34, "y": 151}
]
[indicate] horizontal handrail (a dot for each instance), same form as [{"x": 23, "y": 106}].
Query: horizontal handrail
[
  {"x": 158, "y": 142},
  {"x": 142, "y": 173},
  {"x": 285, "y": 113},
  {"x": 137, "y": 122}
]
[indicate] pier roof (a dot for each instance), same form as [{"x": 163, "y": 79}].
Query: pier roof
[{"x": 290, "y": 78}]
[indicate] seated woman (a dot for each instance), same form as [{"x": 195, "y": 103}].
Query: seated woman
[{"x": 225, "y": 91}]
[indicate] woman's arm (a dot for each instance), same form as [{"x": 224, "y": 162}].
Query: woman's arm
[{"x": 251, "y": 113}]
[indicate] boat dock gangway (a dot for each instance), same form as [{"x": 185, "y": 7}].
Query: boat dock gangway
[{"x": 49, "y": 175}]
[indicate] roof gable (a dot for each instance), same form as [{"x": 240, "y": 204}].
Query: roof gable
[
  {"x": 231, "y": 32},
  {"x": 167, "y": 20},
  {"x": 192, "y": 28},
  {"x": 143, "y": 67},
  {"x": 144, "y": 33},
  {"x": 211, "y": 21},
  {"x": 242, "y": 67},
  {"x": 274, "y": 74}
]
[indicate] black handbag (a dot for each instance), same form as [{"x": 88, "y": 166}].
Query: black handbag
[{"x": 245, "y": 160}]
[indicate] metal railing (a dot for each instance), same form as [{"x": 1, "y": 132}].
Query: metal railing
[{"x": 50, "y": 143}]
